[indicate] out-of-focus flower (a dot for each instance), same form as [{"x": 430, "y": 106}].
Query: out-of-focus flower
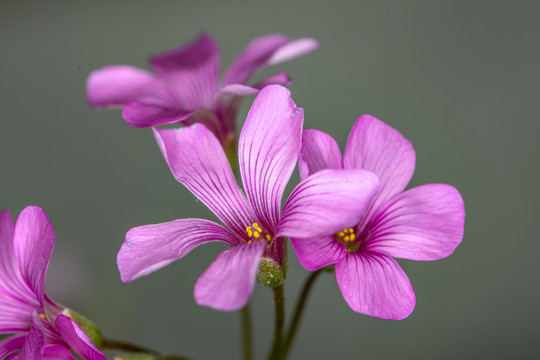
[
  {"x": 423, "y": 223},
  {"x": 186, "y": 87},
  {"x": 40, "y": 327},
  {"x": 268, "y": 150}
]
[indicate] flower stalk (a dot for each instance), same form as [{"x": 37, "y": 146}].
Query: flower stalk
[
  {"x": 279, "y": 322},
  {"x": 125, "y": 346},
  {"x": 247, "y": 343},
  {"x": 299, "y": 311}
]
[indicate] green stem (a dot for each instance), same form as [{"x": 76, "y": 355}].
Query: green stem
[
  {"x": 298, "y": 311},
  {"x": 246, "y": 333},
  {"x": 277, "y": 344},
  {"x": 124, "y": 346}
]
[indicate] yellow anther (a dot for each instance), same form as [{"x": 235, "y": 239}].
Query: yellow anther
[
  {"x": 268, "y": 238},
  {"x": 249, "y": 231},
  {"x": 346, "y": 236},
  {"x": 256, "y": 234},
  {"x": 256, "y": 226},
  {"x": 268, "y": 246},
  {"x": 42, "y": 316},
  {"x": 250, "y": 241},
  {"x": 349, "y": 250}
]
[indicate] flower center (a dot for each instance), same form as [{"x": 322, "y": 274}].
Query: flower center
[
  {"x": 255, "y": 233},
  {"x": 346, "y": 237}
]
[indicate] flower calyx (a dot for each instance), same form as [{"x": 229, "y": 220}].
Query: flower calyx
[
  {"x": 88, "y": 326},
  {"x": 270, "y": 273}
]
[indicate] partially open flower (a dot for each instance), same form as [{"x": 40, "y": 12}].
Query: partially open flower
[
  {"x": 40, "y": 328},
  {"x": 186, "y": 86}
]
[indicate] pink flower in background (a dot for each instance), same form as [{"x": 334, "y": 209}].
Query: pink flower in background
[
  {"x": 186, "y": 86},
  {"x": 269, "y": 146},
  {"x": 39, "y": 327},
  {"x": 423, "y": 223}
]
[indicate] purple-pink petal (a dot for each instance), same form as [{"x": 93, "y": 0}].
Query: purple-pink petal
[
  {"x": 268, "y": 149},
  {"x": 375, "y": 146},
  {"x": 17, "y": 299},
  {"x": 16, "y": 310},
  {"x": 253, "y": 58},
  {"x": 77, "y": 339},
  {"x": 280, "y": 78},
  {"x": 316, "y": 253},
  {"x": 151, "y": 247},
  {"x": 228, "y": 283},
  {"x": 118, "y": 85},
  {"x": 141, "y": 115},
  {"x": 192, "y": 70},
  {"x": 212, "y": 122},
  {"x": 265, "y": 51},
  {"x": 198, "y": 162},
  {"x": 227, "y": 102},
  {"x": 35, "y": 340},
  {"x": 228, "y": 99},
  {"x": 235, "y": 90},
  {"x": 293, "y": 49},
  {"x": 327, "y": 202},
  {"x": 56, "y": 352},
  {"x": 423, "y": 223},
  {"x": 10, "y": 345},
  {"x": 10, "y": 279},
  {"x": 319, "y": 151},
  {"x": 375, "y": 285},
  {"x": 7, "y": 228},
  {"x": 33, "y": 244}
]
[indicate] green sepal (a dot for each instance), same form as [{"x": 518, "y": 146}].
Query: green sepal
[
  {"x": 270, "y": 274},
  {"x": 88, "y": 326}
]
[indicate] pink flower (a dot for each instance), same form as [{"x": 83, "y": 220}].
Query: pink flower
[
  {"x": 268, "y": 149},
  {"x": 186, "y": 86},
  {"x": 423, "y": 223},
  {"x": 39, "y": 327}
]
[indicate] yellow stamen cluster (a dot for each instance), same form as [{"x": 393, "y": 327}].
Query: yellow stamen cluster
[
  {"x": 346, "y": 235},
  {"x": 255, "y": 232},
  {"x": 42, "y": 316}
]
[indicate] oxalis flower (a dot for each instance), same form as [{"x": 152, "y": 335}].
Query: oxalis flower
[
  {"x": 186, "y": 86},
  {"x": 255, "y": 226},
  {"x": 423, "y": 223},
  {"x": 41, "y": 328}
]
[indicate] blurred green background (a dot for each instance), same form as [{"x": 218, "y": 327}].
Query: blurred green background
[{"x": 460, "y": 79}]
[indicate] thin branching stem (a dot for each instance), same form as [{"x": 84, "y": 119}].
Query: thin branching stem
[
  {"x": 298, "y": 311},
  {"x": 125, "y": 346}
]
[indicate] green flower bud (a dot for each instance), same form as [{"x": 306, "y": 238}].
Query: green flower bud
[
  {"x": 270, "y": 273},
  {"x": 88, "y": 326}
]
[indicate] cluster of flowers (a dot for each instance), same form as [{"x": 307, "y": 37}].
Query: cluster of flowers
[{"x": 351, "y": 212}]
